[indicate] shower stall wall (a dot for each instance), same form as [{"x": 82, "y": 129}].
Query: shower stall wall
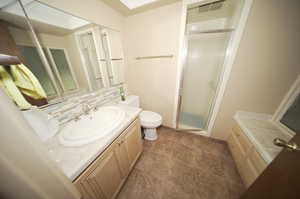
[{"x": 209, "y": 30}]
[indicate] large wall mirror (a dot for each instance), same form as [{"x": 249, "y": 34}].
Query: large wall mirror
[{"x": 66, "y": 53}]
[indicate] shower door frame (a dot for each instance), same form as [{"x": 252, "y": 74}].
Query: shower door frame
[
  {"x": 230, "y": 55},
  {"x": 219, "y": 77}
]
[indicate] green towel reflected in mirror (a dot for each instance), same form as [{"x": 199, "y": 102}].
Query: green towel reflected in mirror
[{"x": 19, "y": 83}]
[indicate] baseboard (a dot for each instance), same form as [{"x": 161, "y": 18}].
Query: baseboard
[{"x": 200, "y": 132}]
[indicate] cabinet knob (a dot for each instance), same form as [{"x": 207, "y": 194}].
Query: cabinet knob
[{"x": 120, "y": 142}]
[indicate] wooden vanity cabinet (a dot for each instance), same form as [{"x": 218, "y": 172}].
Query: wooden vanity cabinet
[
  {"x": 105, "y": 176},
  {"x": 133, "y": 145},
  {"x": 249, "y": 162},
  {"x": 122, "y": 158}
]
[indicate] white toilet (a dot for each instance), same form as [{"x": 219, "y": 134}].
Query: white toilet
[{"x": 149, "y": 120}]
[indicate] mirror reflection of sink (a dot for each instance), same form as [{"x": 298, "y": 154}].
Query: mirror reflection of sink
[{"x": 91, "y": 127}]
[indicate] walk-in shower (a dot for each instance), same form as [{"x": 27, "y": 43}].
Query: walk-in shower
[{"x": 208, "y": 31}]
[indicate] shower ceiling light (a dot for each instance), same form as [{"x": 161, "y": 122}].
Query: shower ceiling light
[{"x": 131, "y": 4}]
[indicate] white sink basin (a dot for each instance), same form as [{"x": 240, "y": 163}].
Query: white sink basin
[{"x": 92, "y": 127}]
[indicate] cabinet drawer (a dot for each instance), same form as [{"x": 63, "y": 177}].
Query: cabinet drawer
[
  {"x": 244, "y": 165},
  {"x": 243, "y": 139},
  {"x": 259, "y": 163},
  {"x": 235, "y": 149},
  {"x": 249, "y": 172}
]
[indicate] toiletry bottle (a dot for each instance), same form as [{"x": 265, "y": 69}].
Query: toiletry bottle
[{"x": 122, "y": 93}]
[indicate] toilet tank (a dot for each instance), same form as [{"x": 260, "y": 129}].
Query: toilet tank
[{"x": 132, "y": 100}]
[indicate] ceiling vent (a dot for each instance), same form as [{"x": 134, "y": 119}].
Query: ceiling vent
[
  {"x": 216, "y": 5},
  {"x": 210, "y": 6}
]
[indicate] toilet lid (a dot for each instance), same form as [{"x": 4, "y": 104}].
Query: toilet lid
[{"x": 149, "y": 116}]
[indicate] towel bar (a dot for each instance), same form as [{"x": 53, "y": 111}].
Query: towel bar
[
  {"x": 154, "y": 57},
  {"x": 9, "y": 60}
]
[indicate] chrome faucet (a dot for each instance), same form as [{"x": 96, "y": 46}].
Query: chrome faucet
[{"x": 86, "y": 109}]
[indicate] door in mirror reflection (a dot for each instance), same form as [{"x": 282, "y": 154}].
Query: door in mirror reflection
[
  {"x": 112, "y": 44},
  {"x": 90, "y": 59},
  {"x": 62, "y": 67},
  {"x": 34, "y": 63}
]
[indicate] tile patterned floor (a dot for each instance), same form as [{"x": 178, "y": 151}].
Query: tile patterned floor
[{"x": 184, "y": 166}]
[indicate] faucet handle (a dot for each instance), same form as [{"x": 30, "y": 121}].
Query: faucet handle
[
  {"x": 85, "y": 108},
  {"x": 77, "y": 117}
]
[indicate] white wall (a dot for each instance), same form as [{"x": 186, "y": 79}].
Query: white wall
[
  {"x": 267, "y": 62},
  {"x": 155, "y": 32},
  {"x": 26, "y": 169}
]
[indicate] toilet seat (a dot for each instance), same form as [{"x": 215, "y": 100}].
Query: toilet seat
[{"x": 150, "y": 119}]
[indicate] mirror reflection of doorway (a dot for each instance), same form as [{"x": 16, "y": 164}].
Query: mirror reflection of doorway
[{"x": 88, "y": 51}]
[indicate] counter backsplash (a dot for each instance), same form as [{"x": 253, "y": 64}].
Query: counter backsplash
[{"x": 71, "y": 106}]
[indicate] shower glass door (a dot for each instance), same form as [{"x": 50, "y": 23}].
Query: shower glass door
[{"x": 202, "y": 70}]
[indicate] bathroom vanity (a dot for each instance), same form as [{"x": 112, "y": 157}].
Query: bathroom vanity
[
  {"x": 105, "y": 176},
  {"x": 98, "y": 169},
  {"x": 251, "y": 144}
]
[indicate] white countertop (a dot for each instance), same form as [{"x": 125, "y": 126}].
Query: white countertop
[
  {"x": 74, "y": 160},
  {"x": 261, "y": 131}
]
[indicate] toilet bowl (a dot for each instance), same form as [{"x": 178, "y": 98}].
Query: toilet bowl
[{"x": 149, "y": 120}]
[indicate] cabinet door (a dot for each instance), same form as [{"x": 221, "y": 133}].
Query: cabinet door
[
  {"x": 258, "y": 162},
  {"x": 133, "y": 143},
  {"x": 104, "y": 177},
  {"x": 122, "y": 157},
  {"x": 104, "y": 181},
  {"x": 107, "y": 177},
  {"x": 244, "y": 164},
  {"x": 85, "y": 189},
  {"x": 117, "y": 67},
  {"x": 114, "y": 44}
]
